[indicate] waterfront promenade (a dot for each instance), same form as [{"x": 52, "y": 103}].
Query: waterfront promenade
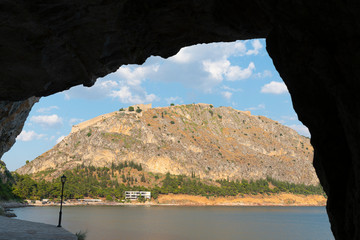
[{"x": 16, "y": 229}]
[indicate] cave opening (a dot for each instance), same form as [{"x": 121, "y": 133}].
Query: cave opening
[{"x": 237, "y": 74}]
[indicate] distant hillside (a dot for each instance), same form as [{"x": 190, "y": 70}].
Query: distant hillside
[{"x": 196, "y": 139}]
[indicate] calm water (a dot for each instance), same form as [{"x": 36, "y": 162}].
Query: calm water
[{"x": 175, "y": 223}]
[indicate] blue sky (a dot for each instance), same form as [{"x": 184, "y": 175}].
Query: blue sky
[{"x": 238, "y": 74}]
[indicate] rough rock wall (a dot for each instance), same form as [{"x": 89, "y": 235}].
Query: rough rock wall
[
  {"x": 317, "y": 54},
  {"x": 55, "y": 45},
  {"x": 48, "y": 47},
  {"x": 12, "y": 118}
]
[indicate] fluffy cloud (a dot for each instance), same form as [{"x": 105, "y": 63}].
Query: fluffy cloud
[
  {"x": 135, "y": 76},
  {"x": 133, "y": 96},
  {"x": 100, "y": 90},
  {"x": 258, "y": 107},
  {"x": 47, "y": 109},
  {"x": 174, "y": 100},
  {"x": 223, "y": 69},
  {"x": 256, "y": 44},
  {"x": 60, "y": 139},
  {"x": 301, "y": 129},
  {"x": 264, "y": 74},
  {"x": 74, "y": 121},
  {"x": 226, "y": 94},
  {"x": 47, "y": 121},
  {"x": 202, "y": 67},
  {"x": 274, "y": 88},
  {"x": 29, "y": 136}
]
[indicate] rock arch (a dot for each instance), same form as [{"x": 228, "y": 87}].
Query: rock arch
[{"x": 49, "y": 47}]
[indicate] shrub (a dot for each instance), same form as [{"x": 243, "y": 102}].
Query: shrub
[
  {"x": 154, "y": 116},
  {"x": 121, "y": 109},
  {"x": 27, "y": 161},
  {"x": 138, "y": 110},
  {"x": 172, "y": 122},
  {"x": 211, "y": 112},
  {"x": 219, "y": 116},
  {"x": 109, "y": 198},
  {"x": 81, "y": 235},
  {"x": 211, "y": 106},
  {"x": 131, "y": 108},
  {"x": 171, "y": 104}
]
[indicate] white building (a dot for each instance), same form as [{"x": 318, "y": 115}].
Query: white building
[{"x": 133, "y": 195}]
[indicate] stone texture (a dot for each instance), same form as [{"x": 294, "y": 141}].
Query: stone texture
[
  {"x": 12, "y": 118},
  {"x": 48, "y": 47}
]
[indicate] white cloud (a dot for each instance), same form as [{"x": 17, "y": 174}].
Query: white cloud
[
  {"x": 29, "y": 136},
  {"x": 47, "y": 109},
  {"x": 258, "y": 107},
  {"x": 226, "y": 94},
  {"x": 101, "y": 89},
  {"x": 183, "y": 56},
  {"x": 236, "y": 73},
  {"x": 264, "y": 74},
  {"x": 221, "y": 69},
  {"x": 135, "y": 76},
  {"x": 274, "y": 88},
  {"x": 301, "y": 129},
  {"x": 174, "y": 100},
  {"x": 128, "y": 95},
  {"x": 60, "y": 139},
  {"x": 47, "y": 121},
  {"x": 231, "y": 89},
  {"x": 256, "y": 44},
  {"x": 290, "y": 118},
  {"x": 202, "y": 67},
  {"x": 74, "y": 121}
]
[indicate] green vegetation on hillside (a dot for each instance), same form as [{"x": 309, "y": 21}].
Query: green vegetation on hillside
[{"x": 111, "y": 183}]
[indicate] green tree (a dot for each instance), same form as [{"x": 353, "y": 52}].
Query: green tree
[{"x": 131, "y": 108}]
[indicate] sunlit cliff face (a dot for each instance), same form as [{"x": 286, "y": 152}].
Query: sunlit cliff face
[{"x": 47, "y": 48}]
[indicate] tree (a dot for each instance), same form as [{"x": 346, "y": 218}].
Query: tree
[
  {"x": 109, "y": 198},
  {"x": 138, "y": 110},
  {"x": 171, "y": 104},
  {"x": 143, "y": 178},
  {"x": 27, "y": 161},
  {"x": 131, "y": 109}
]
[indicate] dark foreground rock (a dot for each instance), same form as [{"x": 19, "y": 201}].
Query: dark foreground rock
[{"x": 47, "y": 47}]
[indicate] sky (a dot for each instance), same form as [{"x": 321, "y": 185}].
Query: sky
[{"x": 238, "y": 74}]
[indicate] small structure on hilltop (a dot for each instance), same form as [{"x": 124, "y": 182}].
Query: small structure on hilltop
[{"x": 134, "y": 195}]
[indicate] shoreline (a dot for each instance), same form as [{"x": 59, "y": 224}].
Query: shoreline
[
  {"x": 276, "y": 200},
  {"x": 174, "y": 205}
]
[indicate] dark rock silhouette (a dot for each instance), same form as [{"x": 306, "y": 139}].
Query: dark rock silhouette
[{"x": 49, "y": 47}]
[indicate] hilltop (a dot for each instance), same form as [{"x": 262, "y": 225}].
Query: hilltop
[{"x": 193, "y": 140}]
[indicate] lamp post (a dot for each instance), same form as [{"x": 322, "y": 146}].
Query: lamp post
[{"x": 63, "y": 180}]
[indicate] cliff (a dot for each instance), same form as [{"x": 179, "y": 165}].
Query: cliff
[{"x": 212, "y": 143}]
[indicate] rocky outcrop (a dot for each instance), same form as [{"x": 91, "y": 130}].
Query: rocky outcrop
[
  {"x": 12, "y": 118},
  {"x": 212, "y": 143},
  {"x": 48, "y": 47},
  {"x": 5, "y": 175}
]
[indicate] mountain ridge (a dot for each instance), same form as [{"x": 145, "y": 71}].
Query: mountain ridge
[{"x": 212, "y": 143}]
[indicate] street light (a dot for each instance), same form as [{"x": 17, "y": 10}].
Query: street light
[{"x": 63, "y": 180}]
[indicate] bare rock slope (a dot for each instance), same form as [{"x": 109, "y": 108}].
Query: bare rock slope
[{"x": 214, "y": 143}]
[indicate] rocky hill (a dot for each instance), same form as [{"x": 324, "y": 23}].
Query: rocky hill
[{"x": 212, "y": 143}]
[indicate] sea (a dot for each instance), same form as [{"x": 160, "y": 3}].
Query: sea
[{"x": 182, "y": 222}]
